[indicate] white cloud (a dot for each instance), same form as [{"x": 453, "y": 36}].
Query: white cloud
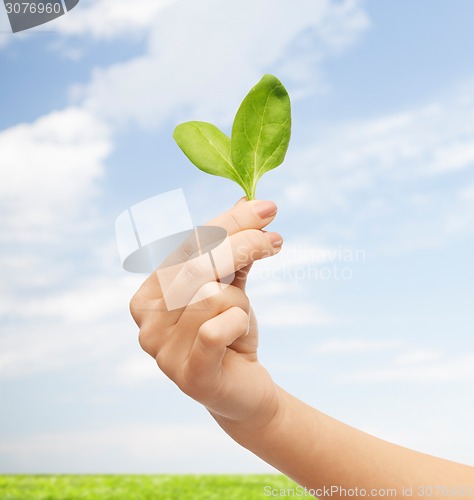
[
  {"x": 70, "y": 326},
  {"x": 467, "y": 193},
  {"x": 135, "y": 370},
  {"x": 42, "y": 347},
  {"x": 362, "y": 156},
  {"x": 408, "y": 165},
  {"x": 144, "y": 448},
  {"x": 350, "y": 346},
  {"x": 107, "y": 19},
  {"x": 96, "y": 19},
  {"x": 417, "y": 356},
  {"x": 290, "y": 314},
  {"x": 49, "y": 169},
  {"x": 91, "y": 301},
  {"x": 202, "y": 57},
  {"x": 301, "y": 263},
  {"x": 53, "y": 316},
  {"x": 304, "y": 253},
  {"x": 459, "y": 369},
  {"x": 277, "y": 286}
]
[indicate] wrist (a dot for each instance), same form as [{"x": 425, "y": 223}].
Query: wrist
[{"x": 263, "y": 423}]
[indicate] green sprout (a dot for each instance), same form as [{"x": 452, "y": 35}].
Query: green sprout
[{"x": 259, "y": 141}]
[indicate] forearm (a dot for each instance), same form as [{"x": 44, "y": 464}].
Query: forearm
[{"x": 318, "y": 451}]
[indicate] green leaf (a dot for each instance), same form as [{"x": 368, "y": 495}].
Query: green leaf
[
  {"x": 261, "y": 132},
  {"x": 260, "y": 137},
  {"x": 208, "y": 148}
]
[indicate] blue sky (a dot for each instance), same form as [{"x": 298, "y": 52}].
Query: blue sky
[{"x": 377, "y": 187}]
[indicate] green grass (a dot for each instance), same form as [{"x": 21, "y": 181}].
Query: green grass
[{"x": 140, "y": 487}]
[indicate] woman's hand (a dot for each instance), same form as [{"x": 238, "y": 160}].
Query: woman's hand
[{"x": 209, "y": 347}]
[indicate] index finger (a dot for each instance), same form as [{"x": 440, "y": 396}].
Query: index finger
[
  {"x": 182, "y": 284},
  {"x": 254, "y": 214}
]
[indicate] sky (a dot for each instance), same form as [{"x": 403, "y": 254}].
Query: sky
[{"x": 366, "y": 313}]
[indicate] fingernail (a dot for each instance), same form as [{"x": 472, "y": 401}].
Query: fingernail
[
  {"x": 265, "y": 209},
  {"x": 275, "y": 239}
]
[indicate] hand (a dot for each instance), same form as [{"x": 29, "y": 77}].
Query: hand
[{"x": 209, "y": 347}]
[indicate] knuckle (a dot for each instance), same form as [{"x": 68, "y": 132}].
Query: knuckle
[
  {"x": 232, "y": 223},
  {"x": 187, "y": 250},
  {"x": 257, "y": 238},
  {"x": 208, "y": 336},
  {"x": 166, "y": 362},
  {"x": 193, "y": 269},
  {"x": 256, "y": 245},
  {"x": 209, "y": 296},
  {"x": 211, "y": 289},
  {"x": 136, "y": 308},
  {"x": 239, "y": 299},
  {"x": 146, "y": 339},
  {"x": 264, "y": 248},
  {"x": 141, "y": 308},
  {"x": 241, "y": 317},
  {"x": 152, "y": 336}
]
